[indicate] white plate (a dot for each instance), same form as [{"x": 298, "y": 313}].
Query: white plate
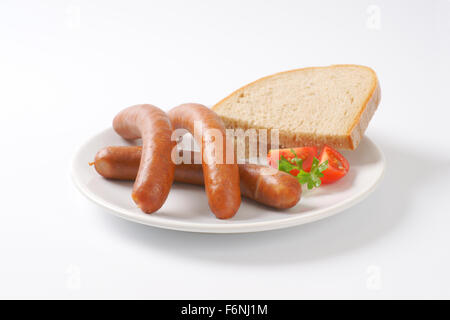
[{"x": 186, "y": 207}]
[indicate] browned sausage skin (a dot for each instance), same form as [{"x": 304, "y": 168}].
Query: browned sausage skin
[
  {"x": 221, "y": 179},
  {"x": 279, "y": 190},
  {"x": 120, "y": 163},
  {"x": 156, "y": 169}
]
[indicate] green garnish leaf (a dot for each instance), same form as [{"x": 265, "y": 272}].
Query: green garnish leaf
[
  {"x": 322, "y": 167},
  {"x": 285, "y": 165},
  {"x": 312, "y": 178}
]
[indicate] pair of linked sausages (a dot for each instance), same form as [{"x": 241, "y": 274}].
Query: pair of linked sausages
[{"x": 154, "y": 171}]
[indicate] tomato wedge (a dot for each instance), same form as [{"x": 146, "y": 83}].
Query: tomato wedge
[
  {"x": 338, "y": 166},
  {"x": 307, "y": 154}
]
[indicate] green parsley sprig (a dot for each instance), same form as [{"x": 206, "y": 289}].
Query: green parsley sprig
[{"x": 312, "y": 178}]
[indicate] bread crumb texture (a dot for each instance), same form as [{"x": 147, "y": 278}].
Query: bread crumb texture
[{"x": 311, "y": 106}]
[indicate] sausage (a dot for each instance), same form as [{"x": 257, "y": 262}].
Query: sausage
[
  {"x": 221, "y": 178},
  {"x": 280, "y": 190},
  {"x": 150, "y": 123},
  {"x": 121, "y": 163}
]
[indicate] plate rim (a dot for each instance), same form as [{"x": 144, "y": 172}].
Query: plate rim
[{"x": 245, "y": 227}]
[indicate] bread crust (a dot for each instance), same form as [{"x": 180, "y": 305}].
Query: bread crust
[
  {"x": 361, "y": 123},
  {"x": 349, "y": 141}
]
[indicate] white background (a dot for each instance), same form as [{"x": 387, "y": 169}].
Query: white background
[{"x": 67, "y": 67}]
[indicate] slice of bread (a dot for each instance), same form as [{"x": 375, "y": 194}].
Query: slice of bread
[{"x": 311, "y": 106}]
